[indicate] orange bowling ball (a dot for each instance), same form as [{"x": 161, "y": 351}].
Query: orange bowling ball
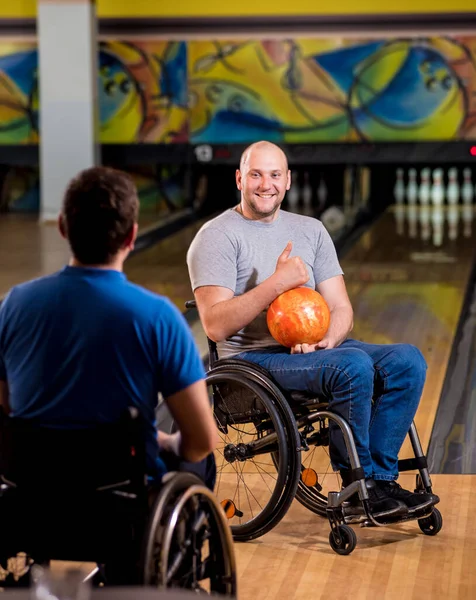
[{"x": 299, "y": 316}]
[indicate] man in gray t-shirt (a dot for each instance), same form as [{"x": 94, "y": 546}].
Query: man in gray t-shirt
[
  {"x": 236, "y": 253},
  {"x": 242, "y": 260}
]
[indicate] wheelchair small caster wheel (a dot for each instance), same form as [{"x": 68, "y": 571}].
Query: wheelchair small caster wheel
[
  {"x": 343, "y": 539},
  {"x": 432, "y": 524}
]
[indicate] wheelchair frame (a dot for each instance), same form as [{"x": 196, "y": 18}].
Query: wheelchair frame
[
  {"x": 307, "y": 410},
  {"x": 169, "y": 526}
]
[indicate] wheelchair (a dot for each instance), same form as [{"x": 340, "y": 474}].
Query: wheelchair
[
  {"x": 275, "y": 447},
  {"x": 83, "y": 495}
]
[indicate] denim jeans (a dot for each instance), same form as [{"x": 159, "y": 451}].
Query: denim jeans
[{"x": 375, "y": 388}]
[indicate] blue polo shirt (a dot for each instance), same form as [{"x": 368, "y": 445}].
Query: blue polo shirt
[{"x": 80, "y": 346}]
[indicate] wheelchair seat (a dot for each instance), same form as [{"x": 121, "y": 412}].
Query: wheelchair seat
[
  {"x": 83, "y": 495},
  {"x": 296, "y": 396}
]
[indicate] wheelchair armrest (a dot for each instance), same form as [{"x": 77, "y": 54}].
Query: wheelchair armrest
[{"x": 191, "y": 304}]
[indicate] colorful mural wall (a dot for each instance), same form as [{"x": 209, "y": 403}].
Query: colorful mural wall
[
  {"x": 18, "y": 94},
  {"x": 143, "y": 92},
  {"x": 329, "y": 90},
  {"x": 293, "y": 91}
]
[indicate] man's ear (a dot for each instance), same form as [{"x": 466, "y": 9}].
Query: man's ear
[
  {"x": 61, "y": 226},
  {"x": 238, "y": 179},
  {"x": 131, "y": 237}
]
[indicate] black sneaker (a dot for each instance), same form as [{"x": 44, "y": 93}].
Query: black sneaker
[
  {"x": 416, "y": 502},
  {"x": 381, "y": 505}
]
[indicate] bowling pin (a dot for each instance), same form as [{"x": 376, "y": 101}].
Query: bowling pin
[
  {"x": 453, "y": 218},
  {"x": 365, "y": 186},
  {"x": 201, "y": 191},
  {"x": 425, "y": 187},
  {"x": 399, "y": 188},
  {"x": 437, "y": 190},
  {"x": 322, "y": 193},
  {"x": 467, "y": 189},
  {"x": 307, "y": 195},
  {"x": 400, "y": 218},
  {"x": 412, "y": 216},
  {"x": 467, "y": 219},
  {"x": 437, "y": 220},
  {"x": 348, "y": 192},
  {"x": 452, "y": 191},
  {"x": 412, "y": 187},
  {"x": 425, "y": 222},
  {"x": 293, "y": 197}
]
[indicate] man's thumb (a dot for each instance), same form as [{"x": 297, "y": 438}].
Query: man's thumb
[{"x": 286, "y": 252}]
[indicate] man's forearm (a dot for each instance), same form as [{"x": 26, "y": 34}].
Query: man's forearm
[
  {"x": 341, "y": 324},
  {"x": 229, "y": 316}
]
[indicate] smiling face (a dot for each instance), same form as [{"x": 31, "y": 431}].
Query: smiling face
[{"x": 263, "y": 179}]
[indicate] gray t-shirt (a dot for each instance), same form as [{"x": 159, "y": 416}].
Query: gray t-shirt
[{"x": 238, "y": 253}]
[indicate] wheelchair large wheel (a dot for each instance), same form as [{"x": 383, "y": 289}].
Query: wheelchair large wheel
[
  {"x": 188, "y": 544},
  {"x": 258, "y": 457}
]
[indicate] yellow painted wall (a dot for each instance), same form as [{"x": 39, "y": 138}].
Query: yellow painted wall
[
  {"x": 17, "y": 8},
  {"x": 192, "y": 8},
  {"x": 187, "y": 8}
]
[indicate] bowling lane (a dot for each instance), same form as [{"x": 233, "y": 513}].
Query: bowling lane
[
  {"x": 162, "y": 268},
  {"x": 408, "y": 285},
  {"x": 453, "y": 440}
]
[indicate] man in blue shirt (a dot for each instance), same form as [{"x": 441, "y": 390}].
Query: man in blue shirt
[{"x": 80, "y": 346}]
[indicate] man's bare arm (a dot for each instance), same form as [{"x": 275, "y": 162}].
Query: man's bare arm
[
  {"x": 335, "y": 294},
  {"x": 192, "y": 412}
]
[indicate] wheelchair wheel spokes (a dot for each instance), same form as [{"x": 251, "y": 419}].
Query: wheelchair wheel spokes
[
  {"x": 317, "y": 476},
  {"x": 254, "y": 491},
  {"x": 190, "y": 544},
  {"x": 245, "y": 487},
  {"x": 192, "y": 554}
]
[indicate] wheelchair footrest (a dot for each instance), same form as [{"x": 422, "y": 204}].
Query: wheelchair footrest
[{"x": 403, "y": 519}]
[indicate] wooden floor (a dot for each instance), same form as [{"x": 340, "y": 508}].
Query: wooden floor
[
  {"x": 162, "y": 268},
  {"x": 28, "y": 249},
  {"x": 295, "y": 562},
  {"x": 405, "y": 289}
]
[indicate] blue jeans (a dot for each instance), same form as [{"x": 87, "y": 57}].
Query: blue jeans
[{"x": 375, "y": 388}]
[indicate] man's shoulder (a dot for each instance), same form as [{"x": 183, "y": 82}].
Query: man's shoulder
[
  {"x": 222, "y": 230},
  {"x": 140, "y": 294},
  {"x": 34, "y": 286},
  {"x": 220, "y": 222}
]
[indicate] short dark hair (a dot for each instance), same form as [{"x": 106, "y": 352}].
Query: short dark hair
[{"x": 100, "y": 208}]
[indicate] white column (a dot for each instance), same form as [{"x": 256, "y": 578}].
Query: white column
[{"x": 68, "y": 56}]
